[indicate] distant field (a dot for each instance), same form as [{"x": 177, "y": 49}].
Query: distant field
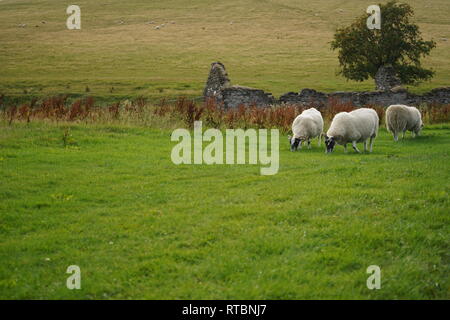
[
  {"x": 277, "y": 46},
  {"x": 113, "y": 203}
]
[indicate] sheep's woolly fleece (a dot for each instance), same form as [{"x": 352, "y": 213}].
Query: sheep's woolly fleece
[
  {"x": 400, "y": 118},
  {"x": 307, "y": 125},
  {"x": 356, "y": 126}
]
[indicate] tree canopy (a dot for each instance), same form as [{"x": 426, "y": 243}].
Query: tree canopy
[{"x": 398, "y": 43}]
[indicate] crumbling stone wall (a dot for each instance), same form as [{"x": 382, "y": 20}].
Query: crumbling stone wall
[
  {"x": 359, "y": 99},
  {"x": 217, "y": 80},
  {"x": 237, "y": 95},
  {"x": 218, "y": 86}
]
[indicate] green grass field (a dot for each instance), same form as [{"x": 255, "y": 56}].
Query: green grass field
[
  {"x": 278, "y": 46},
  {"x": 139, "y": 226}
]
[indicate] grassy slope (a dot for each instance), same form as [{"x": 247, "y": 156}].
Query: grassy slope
[
  {"x": 278, "y": 45},
  {"x": 141, "y": 227}
]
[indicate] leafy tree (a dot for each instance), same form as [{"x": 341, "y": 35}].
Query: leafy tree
[{"x": 398, "y": 43}]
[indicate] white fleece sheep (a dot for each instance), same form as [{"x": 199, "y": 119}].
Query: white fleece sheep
[
  {"x": 306, "y": 126},
  {"x": 352, "y": 127},
  {"x": 400, "y": 118}
]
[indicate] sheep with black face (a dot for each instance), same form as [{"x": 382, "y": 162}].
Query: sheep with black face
[
  {"x": 352, "y": 127},
  {"x": 306, "y": 126}
]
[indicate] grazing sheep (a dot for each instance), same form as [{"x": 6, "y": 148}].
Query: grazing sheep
[
  {"x": 307, "y": 125},
  {"x": 356, "y": 126},
  {"x": 400, "y": 118}
]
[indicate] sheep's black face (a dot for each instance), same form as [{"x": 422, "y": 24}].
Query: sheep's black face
[
  {"x": 330, "y": 143},
  {"x": 294, "y": 143}
]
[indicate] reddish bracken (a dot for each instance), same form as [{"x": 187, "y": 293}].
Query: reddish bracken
[{"x": 187, "y": 111}]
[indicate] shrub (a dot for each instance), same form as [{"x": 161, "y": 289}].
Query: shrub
[{"x": 185, "y": 111}]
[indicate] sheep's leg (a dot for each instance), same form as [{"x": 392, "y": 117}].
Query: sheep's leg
[
  {"x": 300, "y": 145},
  {"x": 365, "y": 146},
  {"x": 345, "y": 148},
  {"x": 371, "y": 143},
  {"x": 355, "y": 147},
  {"x": 403, "y": 134},
  {"x": 320, "y": 139},
  {"x": 309, "y": 144}
]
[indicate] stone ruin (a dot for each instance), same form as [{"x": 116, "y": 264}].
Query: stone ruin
[
  {"x": 380, "y": 98},
  {"x": 386, "y": 78},
  {"x": 217, "y": 81},
  {"x": 219, "y": 87}
]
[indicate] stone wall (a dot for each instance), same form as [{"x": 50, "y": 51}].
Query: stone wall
[
  {"x": 218, "y": 86},
  {"x": 217, "y": 80},
  {"x": 380, "y": 98},
  {"x": 237, "y": 95}
]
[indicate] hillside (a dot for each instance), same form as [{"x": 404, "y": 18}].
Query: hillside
[{"x": 277, "y": 46}]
